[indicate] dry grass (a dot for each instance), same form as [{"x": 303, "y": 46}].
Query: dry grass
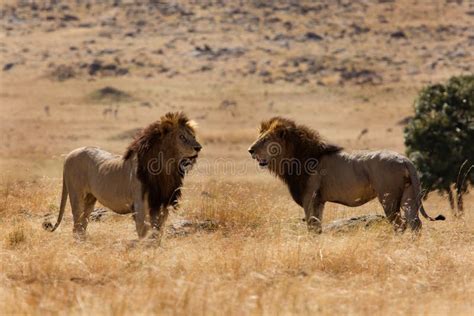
[{"x": 259, "y": 260}]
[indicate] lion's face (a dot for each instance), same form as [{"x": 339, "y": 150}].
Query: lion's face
[
  {"x": 267, "y": 148},
  {"x": 187, "y": 147}
]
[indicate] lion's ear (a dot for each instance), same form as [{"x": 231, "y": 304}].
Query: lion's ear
[
  {"x": 265, "y": 126},
  {"x": 192, "y": 124},
  {"x": 282, "y": 133},
  {"x": 166, "y": 127}
]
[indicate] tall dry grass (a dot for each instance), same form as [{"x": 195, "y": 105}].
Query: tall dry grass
[{"x": 259, "y": 259}]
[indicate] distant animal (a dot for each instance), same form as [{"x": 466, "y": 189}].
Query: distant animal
[
  {"x": 317, "y": 172},
  {"x": 106, "y": 112},
  {"x": 362, "y": 133},
  {"x": 146, "y": 179}
]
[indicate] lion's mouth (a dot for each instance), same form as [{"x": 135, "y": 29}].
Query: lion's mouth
[
  {"x": 191, "y": 160},
  {"x": 262, "y": 162}
]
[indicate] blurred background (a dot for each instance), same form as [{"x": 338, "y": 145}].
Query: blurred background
[{"x": 78, "y": 73}]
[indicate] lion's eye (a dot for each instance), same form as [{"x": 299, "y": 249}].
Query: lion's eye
[{"x": 182, "y": 138}]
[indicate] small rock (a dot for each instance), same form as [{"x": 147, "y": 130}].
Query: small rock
[
  {"x": 62, "y": 73},
  {"x": 97, "y": 67},
  {"x": 8, "y": 66},
  {"x": 398, "y": 35},
  {"x": 358, "y": 222},
  {"x": 183, "y": 227},
  {"x": 94, "y": 67},
  {"x": 69, "y": 17},
  {"x": 265, "y": 73},
  {"x": 363, "y": 76},
  {"x": 313, "y": 36}
]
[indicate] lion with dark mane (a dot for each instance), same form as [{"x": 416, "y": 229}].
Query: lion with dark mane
[
  {"x": 317, "y": 172},
  {"x": 146, "y": 180}
]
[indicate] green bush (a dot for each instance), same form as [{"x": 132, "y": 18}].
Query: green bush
[{"x": 440, "y": 137}]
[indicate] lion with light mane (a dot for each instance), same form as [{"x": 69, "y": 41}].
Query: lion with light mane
[
  {"x": 317, "y": 172},
  {"x": 146, "y": 179}
]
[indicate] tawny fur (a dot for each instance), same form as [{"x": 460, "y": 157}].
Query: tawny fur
[
  {"x": 317, "y": 172},
  {"x": 145, "y": 180}
]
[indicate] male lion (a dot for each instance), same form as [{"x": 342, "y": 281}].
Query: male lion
[
  {"x": 317, "y": 172},
  {"x": 147, "y": 177}
]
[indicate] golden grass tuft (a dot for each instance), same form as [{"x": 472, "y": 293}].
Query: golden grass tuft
[{"x": 16, "y": 237}]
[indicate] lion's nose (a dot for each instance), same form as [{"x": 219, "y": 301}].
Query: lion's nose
[
  {"x": 251, "y": 151},
  {"x": 198, "y": 148}
]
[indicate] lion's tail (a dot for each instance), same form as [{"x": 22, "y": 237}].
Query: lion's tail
[
  {"x": 64, "y": 195},
  {"x": 415, "y": 181}
]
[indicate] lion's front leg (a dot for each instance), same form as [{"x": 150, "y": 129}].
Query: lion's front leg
[
  {"x": 314, "y": 213},
  {"x": 158, "y": 219},
  {"x": 139, "y": 212}
]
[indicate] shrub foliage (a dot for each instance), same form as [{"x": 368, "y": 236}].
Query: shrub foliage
[{"x": 440, "y": 137}]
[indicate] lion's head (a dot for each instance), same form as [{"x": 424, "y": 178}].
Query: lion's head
[
  {"x": 271, "y": 144},
  {"x": 179, "y": 138},
  {"x": 164, "y": 151},
  {"x": 173, "y": 137}
]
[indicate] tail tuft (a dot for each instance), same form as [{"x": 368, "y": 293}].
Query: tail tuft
[
  {"x": 48, "y": 226},
  {"x": 440, "y": 218}
]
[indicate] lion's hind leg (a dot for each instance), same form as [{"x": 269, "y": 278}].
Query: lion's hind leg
[
  {"x": 410, "y": 205},
  {"x": 77, "y": 201},
  {"x": 82, "y": 205},
  {"x": 89, "y": 203},
  {"x": 391, "y": 206}
]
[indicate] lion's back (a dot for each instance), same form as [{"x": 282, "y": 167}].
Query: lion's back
[
  {"x": 87, "y": 154},
  {"x": 377, "y": 160},
  {"x": 385, "y": 168},
  {"x": 84, "y": 160}
]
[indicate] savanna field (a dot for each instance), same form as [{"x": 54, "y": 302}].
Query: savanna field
[{"x": 78, "y": 74}]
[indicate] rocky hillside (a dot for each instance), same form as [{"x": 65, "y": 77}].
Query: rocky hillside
[{"x": 363, "y": 42}]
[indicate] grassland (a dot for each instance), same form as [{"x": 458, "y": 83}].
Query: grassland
[{"x": 257, "y": 259}]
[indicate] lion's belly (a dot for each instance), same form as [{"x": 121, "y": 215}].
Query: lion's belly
[
  {"x": 349, "y": 196},
  {"x": 113, "y": 197},
  {"x": 346, "y": 184},
  {"x": 117, "y": 205},
  {"x": 354, "y": 200}
]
